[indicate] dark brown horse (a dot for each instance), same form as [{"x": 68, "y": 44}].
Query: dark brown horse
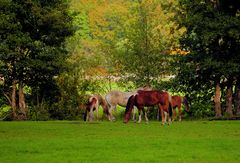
[
  {"x": 177, "y": 102},
  {"x": 149, "y": 98},
  {"x": 93, "y": 104}
]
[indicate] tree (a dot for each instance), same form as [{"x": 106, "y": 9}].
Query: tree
[
  {"x": 103, "y": 25},
  {"x": 32, "y": 49},
  {"x": 212, "y": 38},
  {"x": 142, "y": 32},
  {"x": 150, "y": 34}
]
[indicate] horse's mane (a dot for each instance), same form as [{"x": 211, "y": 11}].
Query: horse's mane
[
  {"x": 148, "y": 91},
  {"x": 144, "y": 88},
  {"x": 130, "y": 104},
  {"x": 129, "y": 108}
]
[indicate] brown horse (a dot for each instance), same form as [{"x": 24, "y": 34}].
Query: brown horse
[
  {"x": 93, "y": 104},
  {"x": 177, "y": 102},
  {"x": 150, "y": 98}
]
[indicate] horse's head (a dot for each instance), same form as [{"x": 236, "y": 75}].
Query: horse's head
[
  {"x": 186, "y": 104},
  {"x": 126, "y": 117},
  {"x": 128, "y": 110}
]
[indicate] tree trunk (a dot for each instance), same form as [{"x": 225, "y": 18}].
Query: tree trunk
[
  {"x": 229, "y": 99},
  {"x": 238, "y": 97},
  {"x": 216, "y": 4},
  {"x": 217, "y": 100},
  {"x": 13, "y": 99},
  {"x": 22, "y": 104}
]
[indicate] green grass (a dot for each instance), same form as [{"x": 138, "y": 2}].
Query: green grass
[{"x": 71, "y": 141}]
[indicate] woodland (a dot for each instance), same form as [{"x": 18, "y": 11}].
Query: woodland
[{"x": 53, "y": 53}]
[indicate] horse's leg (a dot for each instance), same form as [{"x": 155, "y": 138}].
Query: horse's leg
[
  {"x": 87, "y": 116},
  {"x": 134, "y": 113},
  {"x": 180, "y": 112},
  {"x": 110, "y": 113},
  {"x": 158, "y": 115},
  {"x": 168, "y": 113},
  {"x": 165, "y": 111},
  {"x": 139, "y": 115},
  {"x": 162, "y": 114},
  {"x": 97, "y": 112},
  {"x": 91, "y": 116},
  {"x": 115, "y": 109},
  {"x": 174, "y": 114},
  {"x": 165, "y": 116},
  {"x": 145, "y": 113}
]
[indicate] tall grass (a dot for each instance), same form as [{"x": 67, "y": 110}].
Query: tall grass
[{"x": 77, "y": 141}]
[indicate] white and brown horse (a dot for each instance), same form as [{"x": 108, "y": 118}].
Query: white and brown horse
[
  {"x": 93, "y": 104},
  {"x": 120, "y": 98}
]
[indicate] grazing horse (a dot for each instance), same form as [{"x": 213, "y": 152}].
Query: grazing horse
[
  {"x": 177, "y": 102},
  {"x": 93, "y": 104},
  {"x": 150, "y": 98},
  {"x": 115, "y": 98}
]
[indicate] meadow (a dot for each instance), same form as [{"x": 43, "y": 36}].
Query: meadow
[{"x": 103, "y": 141}]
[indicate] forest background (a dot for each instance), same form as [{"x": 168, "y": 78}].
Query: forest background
[{"x": 54, "y": 53}]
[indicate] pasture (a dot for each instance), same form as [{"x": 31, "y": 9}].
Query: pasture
[{"x": 103, "y": 141}]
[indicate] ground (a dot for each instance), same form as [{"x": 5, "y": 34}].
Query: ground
[{"x": 78, "y": 141}]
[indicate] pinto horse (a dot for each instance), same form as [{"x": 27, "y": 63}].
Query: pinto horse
[
  {"x": 177, "y": 102},
  {"x": 150, "y": 98},
  {"x": 93, "y": 104},
  {"x": 120, "y": 98}
]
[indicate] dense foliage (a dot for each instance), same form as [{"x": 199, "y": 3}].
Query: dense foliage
[
  {"x": 212, "y": 39},
  {"x": 32, "y": 50},
  {"x": 55, "y": 53}
]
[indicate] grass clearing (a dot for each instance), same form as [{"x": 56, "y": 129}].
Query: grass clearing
[{"x": 77, "y": 141}]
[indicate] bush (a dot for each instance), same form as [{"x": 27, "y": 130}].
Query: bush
[
  {"x": 38, "y": 113},
  {"x": 5, "y": 110},
  {"x": 202, "y": 110}
]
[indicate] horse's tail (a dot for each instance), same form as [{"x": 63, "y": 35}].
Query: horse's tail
[
  {"x": 104, "y": 105},
  {"x": 170, "y": 105},
  {"x": 170, "y": 109},
  {"x": 106, "y": 110},
  {"x": 107, "y": 98},
  {"x": 129, "y": 108},
  {"x": 170, "y": 99}
]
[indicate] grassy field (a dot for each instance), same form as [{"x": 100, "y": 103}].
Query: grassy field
[{"x": 77, "y": 141}]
